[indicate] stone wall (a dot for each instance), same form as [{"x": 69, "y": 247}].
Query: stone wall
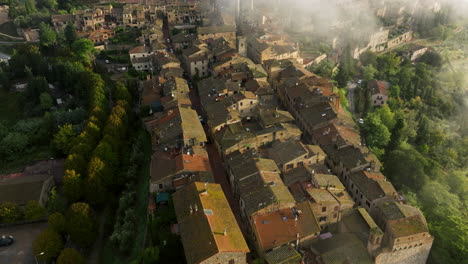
[{"x": 415, "y": 255}]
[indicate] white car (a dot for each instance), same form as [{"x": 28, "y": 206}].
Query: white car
[
  {"x": 361, "y": 121},
  {"x": 107, "y": 61},
  {"x": 168, "y": 40}
]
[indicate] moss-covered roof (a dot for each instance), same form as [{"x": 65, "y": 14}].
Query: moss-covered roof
[
  {"x": 406, "y": 226},
  {"x": 207, "y": 224},
  {"x": 283, "y": 255},
  {"x": 341, "y": 248}
]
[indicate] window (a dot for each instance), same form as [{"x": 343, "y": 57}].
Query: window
[
  {"x": 336, "y": 208},
  {"x": 300, "y": 163},
  {"x": 241, "y": 103},
  {"x": 232, "y": 261},
  {"x": 160, "y": 186},
  {"x": 323, "y": 219},
  {"x": 289, "y": 166},
  {"x": 251, "y": 102},
  {"x": 324, "y": 209},
  {"x": 335, "y": 215}
]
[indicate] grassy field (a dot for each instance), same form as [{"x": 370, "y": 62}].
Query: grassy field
[{"x": 108, "y": 253}]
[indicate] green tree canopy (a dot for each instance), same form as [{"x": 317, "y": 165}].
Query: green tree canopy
[
  {"x": 72, "y": 185},
  {"x": 70, "y": 256},
  {"x": 57, "y": 222},
  {"x": 46, "y": 101},
  {"x": 368, "y": 72},
  {"x": 377, "y": 134},
  {"x": 81, "y": 224},
  {"x": 9, "y": 212},
  {"x": 47, "y": 35},
  {"x": 368, "y": 58},
  {"x": 406, "y": 166},
  {"x": 70, "y": 33},
  {"x": 34, "y": 211},
  {"x": 48, "y": 242},
  {"x": 13, "y": 144},
  {"x": 63, "y": 138}
]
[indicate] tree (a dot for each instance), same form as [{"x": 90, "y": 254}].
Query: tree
[
  {"x": 46, "y": 101},
  {"x": 368, "y": 72},
  {"x": 432, "y": 58},
  {"x": 57, "y": 222},
  {"x": 36, "y": 86},
  {"x": 70, "y": 33},
  {"x": 120, "y": 92},
  {"x": 458, "y": 183},
  {"x": 438, "y": 201},
  {"x": 47, "y": 36},
  {"x": 346, "y": 69},
  {"x": 81, "y": 224},
  {"x": 50, "y": 4},
  {"x": 368, "y": 58},
  {"x": 422, "y": 81},
  {"x": 148, "y": 256},
  {"x": 397, "y": 138},
  {"x": 377, "y": 134},
  {"x": 70, "y": 256},
  {"x": 63, "y": 138},
  {"x": 72, "y": 185},
  {"x": 387, "y": 116},
  {"x": 387, "y": 65},
  {"x": 13, "y": 144},
  {"x": 48, "y": 242},
  {"x": 324, "y": 68},
  {"x": 27, "y": 55},
  {"x": 34, "y": 211},
  {"x": 406, "y": 167},
  {"x": 83, "y": 49},
  {"x": 9, "y": 212}
]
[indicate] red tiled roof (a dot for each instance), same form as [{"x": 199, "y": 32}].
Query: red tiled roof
[
  {"x": 378, "y": 87},
  {"x": 281, "y": 227},
  {"x": 192, "y": 163}
]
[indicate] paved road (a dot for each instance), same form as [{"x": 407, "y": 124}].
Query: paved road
[
  {"x": 21, "y": 251},
  {"x": 351, "y": 88}
]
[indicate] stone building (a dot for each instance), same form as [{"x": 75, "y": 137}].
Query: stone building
[{"x": 209, "y": 231}]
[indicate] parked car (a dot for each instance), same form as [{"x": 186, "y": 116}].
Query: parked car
[{"x": 6, "y": 241}]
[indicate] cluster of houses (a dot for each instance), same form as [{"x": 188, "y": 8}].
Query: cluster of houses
[
  {"x": 301, "y": 186},
  {"x": 306, "y": 188}
]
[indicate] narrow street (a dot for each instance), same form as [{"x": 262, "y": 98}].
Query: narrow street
[
  {"x": 216, "y": 162},
  {"x": 351, "y": 89}
]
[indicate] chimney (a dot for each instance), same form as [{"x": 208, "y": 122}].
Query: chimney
[{"x": 225, "y": 232}]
